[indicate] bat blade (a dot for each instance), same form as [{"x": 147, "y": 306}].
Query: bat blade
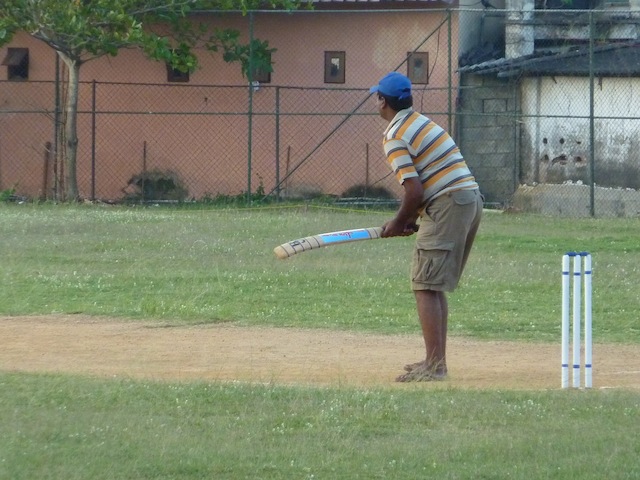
[{"x": 300, "y": 245}]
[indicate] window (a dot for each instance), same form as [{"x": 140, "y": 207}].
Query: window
[
  {"x": 418, "y": 67},
  {"x": 334, "y": 67},
  {"x": 262, "y": 75},
  {"x": 175, "y": 75},
  {"x": 17, "y": 62}
]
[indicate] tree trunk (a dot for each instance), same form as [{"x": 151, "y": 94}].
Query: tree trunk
[{"x": 71, "y": 130}]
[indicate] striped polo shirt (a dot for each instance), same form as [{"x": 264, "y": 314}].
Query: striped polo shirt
[{"x": 416, "y": 146}]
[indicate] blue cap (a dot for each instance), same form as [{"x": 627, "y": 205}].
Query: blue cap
[{"x": 393, "y": 84}]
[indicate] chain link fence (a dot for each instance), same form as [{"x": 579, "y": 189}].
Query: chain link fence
[
  {"x": 553, "y": 138},
  {"x": 141, "y": 142}
]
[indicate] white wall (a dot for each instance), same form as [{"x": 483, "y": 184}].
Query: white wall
[{"x": 556, "y": 130}]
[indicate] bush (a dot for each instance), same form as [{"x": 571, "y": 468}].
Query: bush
[
  {"x": 155, "y": 185},
  {"x": 7, "y": 195}
]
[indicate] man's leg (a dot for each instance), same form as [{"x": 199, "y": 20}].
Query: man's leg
[
  {"x": 433, "y": 312},
  {"x": 444, "y": 305}
]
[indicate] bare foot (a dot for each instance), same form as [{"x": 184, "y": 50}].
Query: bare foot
[
  {"x": 412, "y": 366},
  {"x": 422, "y": 374}
]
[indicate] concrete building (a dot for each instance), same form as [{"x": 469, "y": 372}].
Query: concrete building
[{"x": 559, "y": 103}]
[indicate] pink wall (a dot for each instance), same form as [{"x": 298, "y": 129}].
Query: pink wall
[{"x": 209, "y": 150}]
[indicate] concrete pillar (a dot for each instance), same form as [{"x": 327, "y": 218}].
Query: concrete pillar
[{"x": 519, "y": 30}]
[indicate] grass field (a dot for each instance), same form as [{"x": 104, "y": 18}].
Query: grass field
[{"x": 192, "y": 266}]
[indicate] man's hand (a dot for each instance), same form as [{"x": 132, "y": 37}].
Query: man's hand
[{"x": 394, "y": 228}]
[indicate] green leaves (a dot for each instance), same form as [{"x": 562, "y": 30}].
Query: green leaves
[
  {"x": 85, "y": 29},
  {"x": 252, "y": 56}
]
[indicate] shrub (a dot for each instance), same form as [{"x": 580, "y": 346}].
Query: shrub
[
  {"x": 155, "y": 185},
  {"x": 7, "y": 195}
]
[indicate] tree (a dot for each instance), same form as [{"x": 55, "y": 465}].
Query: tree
[{"x": 83, "y": 30}]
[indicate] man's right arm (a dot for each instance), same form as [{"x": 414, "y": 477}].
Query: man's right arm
[{"x": 403, "y": 224}]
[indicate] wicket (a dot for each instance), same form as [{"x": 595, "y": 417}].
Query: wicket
[{"x": 581, "y": 266}]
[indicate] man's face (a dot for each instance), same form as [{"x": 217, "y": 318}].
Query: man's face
[
  {"x": 380, "y": 104},
  {"x": 383, "y": 108}
]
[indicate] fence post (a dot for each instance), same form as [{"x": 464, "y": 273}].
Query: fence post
[
  {"x": 449, "y": 73},
  {"x": 592, "y": 148},
  {"x": 250, "y": 113},
  {"x": 93, "y": 140},
  {"x": 56, "y": 130},
  {"x": 277, "y": 143}
]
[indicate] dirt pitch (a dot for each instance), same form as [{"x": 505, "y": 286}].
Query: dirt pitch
[{"x": 103, "y": 347}]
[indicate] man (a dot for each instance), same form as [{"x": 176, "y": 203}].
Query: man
[{"x": 442, "y": 192}]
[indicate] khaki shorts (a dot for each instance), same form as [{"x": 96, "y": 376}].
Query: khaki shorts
[{"x": 448, "y": 227}]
